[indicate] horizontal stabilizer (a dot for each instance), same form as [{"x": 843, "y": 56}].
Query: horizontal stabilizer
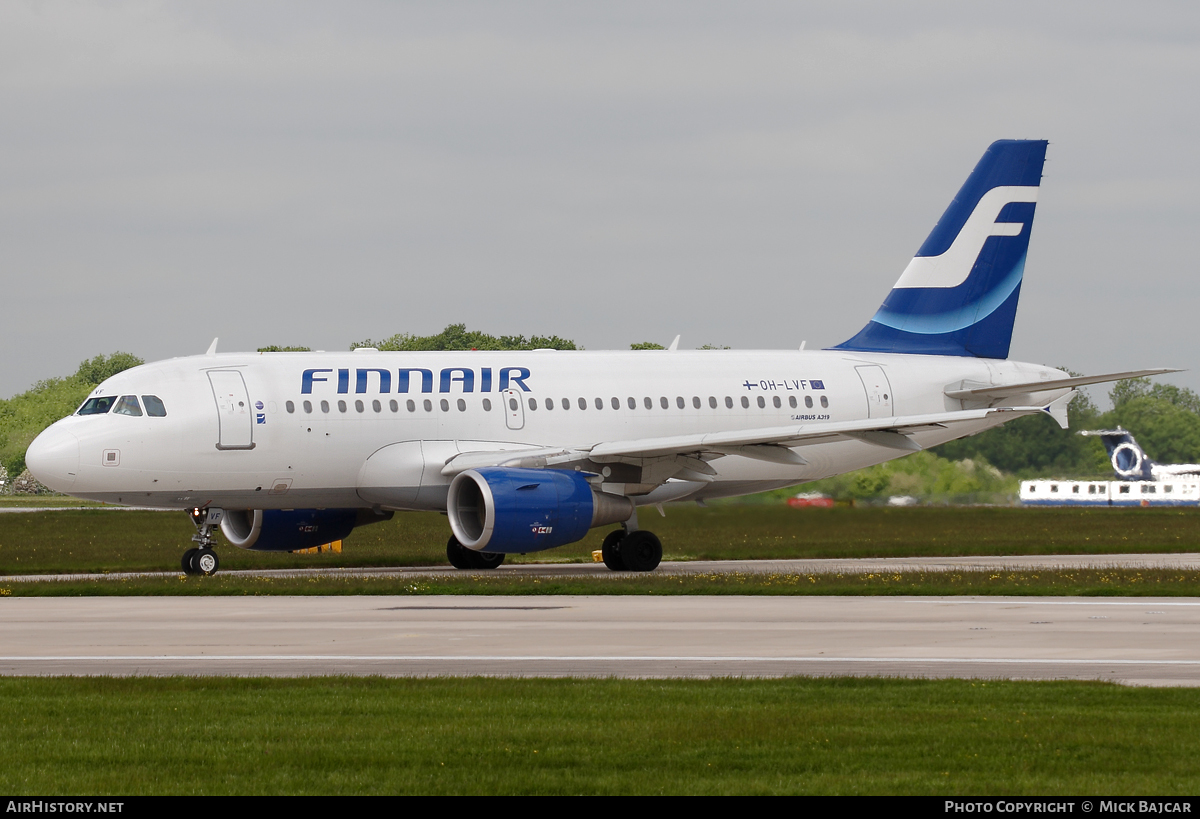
[{"x": 1006, "y": 390}]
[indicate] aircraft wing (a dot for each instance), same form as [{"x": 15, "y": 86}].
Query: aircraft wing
[{"x": 766, "y": 443}]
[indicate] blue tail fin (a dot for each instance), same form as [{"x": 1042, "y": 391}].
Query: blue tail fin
[
  {"x": 958, "y": 296},
  {"x": 1129, "y": 461}
]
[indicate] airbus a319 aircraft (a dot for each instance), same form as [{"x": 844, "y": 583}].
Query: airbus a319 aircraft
[{"x": 527, "y": 451}]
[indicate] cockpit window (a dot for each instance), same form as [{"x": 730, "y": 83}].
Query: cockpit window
[
  {"x": 96, "y": 406},
  {"x": 154, "y": 406},
  {"x": 127, "y": 405}
]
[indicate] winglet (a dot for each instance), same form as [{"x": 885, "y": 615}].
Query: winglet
[{"x": 212, "y": 348}]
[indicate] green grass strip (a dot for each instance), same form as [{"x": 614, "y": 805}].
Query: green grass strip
[
  {"x": 127, "y": 736},
  {"x": 97, "y": 540},
  {"x": 1062, "y": 582}
]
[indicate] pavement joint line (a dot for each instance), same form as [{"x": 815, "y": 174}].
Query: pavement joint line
[{"x": 580, "y": 658}]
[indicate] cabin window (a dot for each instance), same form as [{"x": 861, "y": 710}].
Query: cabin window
[
  {"x": 1091, "y": 490},
  {"x": 824, "y": 402},
  {"x": 428, "y": 405},
  {"x": 324, "y": 406},
  {"x": 1125, "y": 489},
  {"x": 375, "y": 405},
  {"x": 566, "y": 403},
  {"x": 156, "y": 409},
  {"x": 341, "y": 406},
  {"x": 728, "y": 402},
  {"x": 712, "y": 401},
  {"x": 679, "y": 402},
  {"x": 533, "y": 403},
  {"x": 762, "y": 402},
  {"x": 808, "y": 401},
  {"x": 394, "y": 405},
  {"x": 487, "y": 405},
  {"x": 664, "y": 402},
  {"x": 792, "y": 401},
  {"x": 632, "y": 402},
  {"x": 512, "y": 404},
  {"x": 648, "y": 402},
  {"x": 1053, "y": 487},
  {"x": 745, "y": 402},
  {"x": 97, "y": 406},
  {"x": 462, "y": 405},
  {"x": 289, "y": 406},
  {"x": 1075, "y": 489},
  {"x": 616, "y": 403},
  {"x": 583, "y": 404},
  {"x": 445, "y": 405},
  {"x": 549, "y": 403},
  {"x": 600, "y": 403},
  {"x": 307, "y": 406},
  {"x": 128, "y": 405},
  {"x": 696, "y": 402},
  {"x": 358, "y": 406},
  {"x": 410, "y": 405}
]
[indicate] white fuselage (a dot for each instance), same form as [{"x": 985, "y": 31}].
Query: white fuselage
[{"x": 266, "y": 450}]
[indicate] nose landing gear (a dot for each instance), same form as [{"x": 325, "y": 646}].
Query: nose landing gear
[{"x": 202, "y": 560}]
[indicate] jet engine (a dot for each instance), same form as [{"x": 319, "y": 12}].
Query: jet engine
[
  {"x": 495, "y": 509},
  {"x": 277, "y": 530}
]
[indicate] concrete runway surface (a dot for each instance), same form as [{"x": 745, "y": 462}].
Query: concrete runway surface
[{"x": 1143, "y": 641}]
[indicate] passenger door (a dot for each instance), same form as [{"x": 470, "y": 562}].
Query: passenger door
[{"x": 233, "y": 410}]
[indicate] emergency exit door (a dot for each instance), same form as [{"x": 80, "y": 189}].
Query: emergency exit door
[{"x": 879, "y": 391}]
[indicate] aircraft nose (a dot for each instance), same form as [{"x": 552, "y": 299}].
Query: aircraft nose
[{"x": 53, "y": 458}]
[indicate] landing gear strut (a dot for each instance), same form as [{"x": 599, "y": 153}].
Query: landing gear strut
[
  {"x": 202, "y": 560},
  {"x": 461, "y": 557}
]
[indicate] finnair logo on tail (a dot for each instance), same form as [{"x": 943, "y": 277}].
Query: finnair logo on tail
[{"x": 951, "y": 268}]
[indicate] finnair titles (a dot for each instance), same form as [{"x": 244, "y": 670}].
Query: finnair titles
[{"x": 527, "y": 451}]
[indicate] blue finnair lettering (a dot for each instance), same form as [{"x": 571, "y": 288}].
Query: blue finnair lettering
[
  {"x": 385, "y": 380},
  {"x": 426, "y": 379},
  {"x": 466, "y": 378},
  {"x": 306, "y": 380},
  {"x": 507, "y": 375},
  {"x": 510, "y": 378}
]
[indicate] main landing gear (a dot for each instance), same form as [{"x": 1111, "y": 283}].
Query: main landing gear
[
  {"x": 461, "y": 557},
  {"x": 202, "y": 560},
  {"x": 636, "y": 551}
]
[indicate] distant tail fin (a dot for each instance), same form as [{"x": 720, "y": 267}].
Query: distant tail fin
[
  {"x": 958, "y": 296},
  {"x": 1129, "y": 460}
]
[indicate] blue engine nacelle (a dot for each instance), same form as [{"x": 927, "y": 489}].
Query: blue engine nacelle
[
  {"x": 276, "y": 530},
  {"x": 496, "y": 509}
]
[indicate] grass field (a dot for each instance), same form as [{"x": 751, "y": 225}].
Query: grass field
[
  {"x": 485, "y": 736},
  {"x": 1072, "y": 582},
  {"x": 97, "y": 540}
]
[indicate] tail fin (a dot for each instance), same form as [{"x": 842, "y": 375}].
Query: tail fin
[
  {"x": 958, "y": 296},
  {"x": 1129, "y": 460}
]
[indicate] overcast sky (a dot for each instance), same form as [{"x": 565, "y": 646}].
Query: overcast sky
[{"x": 752, "y": 174}]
